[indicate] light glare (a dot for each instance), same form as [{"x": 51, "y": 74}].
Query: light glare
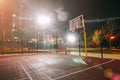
[
  {"x": 71, "y": 38},
  {"x": 62, "y": 16},
  {"x": 112, "y": 37},
  {"x": 43, "y": 19}
]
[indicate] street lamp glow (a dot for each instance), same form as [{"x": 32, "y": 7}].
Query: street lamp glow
[
  {"x": 43, "y": 19},
  {"x": 112, "y": 37},
  {"x": 71, "y": 38},
  {"x": 14, "y": 15}
]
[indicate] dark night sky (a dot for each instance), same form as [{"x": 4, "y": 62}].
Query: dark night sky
[{"x": 91, "y": 9}]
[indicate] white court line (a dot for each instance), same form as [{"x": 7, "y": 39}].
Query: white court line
[
  {"x": 25, "y": 70},
  {"x": 84, "y": 69},
  {"x": 41, "y": 72}
]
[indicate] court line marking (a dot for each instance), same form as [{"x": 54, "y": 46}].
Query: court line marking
[
  {"x": 25, "y": 70},
  {"x": 41, "y": 72},
  {"x": 84, "y": 69}
]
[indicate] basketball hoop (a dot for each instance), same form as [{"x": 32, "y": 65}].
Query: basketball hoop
[{"x": 76, "y": 23}]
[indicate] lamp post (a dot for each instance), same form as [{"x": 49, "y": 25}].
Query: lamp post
[
  {"x": 111, "y": 38},
  {"x": 101, "y": 38},
  {"x": 71, "y": 38},
  {"x": 13, "y": 29},
  {"x": 43, "y": 20},
  {"x": 37, "y": 41}
]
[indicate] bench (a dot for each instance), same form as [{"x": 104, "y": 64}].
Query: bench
[{"x": 62, "y": 50}]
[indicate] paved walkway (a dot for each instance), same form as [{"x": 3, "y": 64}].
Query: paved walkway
[{"x": 105, "y": 55}]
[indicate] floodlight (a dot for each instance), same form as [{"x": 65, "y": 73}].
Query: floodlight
[
  {"x": 71, "y": 38},
  {"x": 43, "y": 19}
]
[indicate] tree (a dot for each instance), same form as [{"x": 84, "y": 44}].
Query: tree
[
  {"x": 105, "y": 33},
  {"x": 96, "y": 37},
  {"x": 108, "y": 30}
]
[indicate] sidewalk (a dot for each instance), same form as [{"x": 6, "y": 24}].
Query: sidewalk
[
  {"x": 17, "y": 54},
  {"x": 27, "y": 53},
  {"x": 105, "y": 55}
]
